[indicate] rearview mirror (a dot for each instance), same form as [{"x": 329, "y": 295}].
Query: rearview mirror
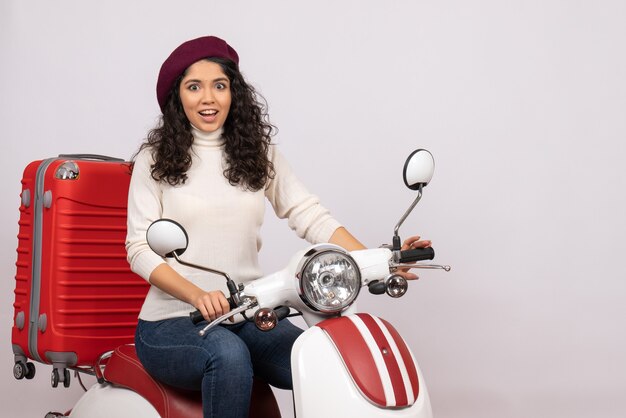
[
  {"x": 418, "y": 169},
  {"x": 167, "y": 237}
]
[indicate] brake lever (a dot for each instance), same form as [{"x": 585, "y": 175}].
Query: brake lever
[
  {"x": 420, "y": 266},
  {"x": 247, "y": 303}
]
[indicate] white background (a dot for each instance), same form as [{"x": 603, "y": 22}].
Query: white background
[{"x": 522, "y": 103}]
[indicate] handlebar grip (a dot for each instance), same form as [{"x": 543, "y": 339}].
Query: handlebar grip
[
  {"x": 196, "y": 316},
  {"x": 418, "y": 254}
]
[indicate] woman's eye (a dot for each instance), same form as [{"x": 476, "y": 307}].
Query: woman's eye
[
  {"x": 194, "y": 87},
  {"x": 220, "y": 86}
]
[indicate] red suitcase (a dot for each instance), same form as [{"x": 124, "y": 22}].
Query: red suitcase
[{"x": 75, "y": 296}]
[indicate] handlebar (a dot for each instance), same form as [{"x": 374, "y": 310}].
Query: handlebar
[
  {"x": 417, "y": 254},
  {"x": 196, "y": 316},
  {"x": 282, "y": 312},
  {"x": 406, "y": 256}
]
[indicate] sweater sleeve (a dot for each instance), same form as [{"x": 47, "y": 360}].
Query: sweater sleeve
[
  {"x": 291, "y": 200},
  {"x": 144, "y": 206}
]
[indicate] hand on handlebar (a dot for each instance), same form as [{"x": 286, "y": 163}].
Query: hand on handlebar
[
  {"x": 212, "y": 304},
  {"x": 410, "y": 244}
]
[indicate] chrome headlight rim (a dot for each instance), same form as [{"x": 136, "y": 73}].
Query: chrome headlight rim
[{"x": 311, "y": 256}]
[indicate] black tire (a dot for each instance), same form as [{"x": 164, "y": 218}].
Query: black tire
[
  {"x": 30, "y": 370},
  {"x": 54, "y": 379},
  {"x": 66, "y": 378}
]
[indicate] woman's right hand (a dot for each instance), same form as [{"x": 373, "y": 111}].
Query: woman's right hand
[{"x": 211, "y": 304}]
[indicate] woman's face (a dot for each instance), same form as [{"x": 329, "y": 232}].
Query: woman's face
[{"x": 205, "y": 95}]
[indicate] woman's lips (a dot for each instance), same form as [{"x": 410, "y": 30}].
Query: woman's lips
[{"x": 208, "y": 115}]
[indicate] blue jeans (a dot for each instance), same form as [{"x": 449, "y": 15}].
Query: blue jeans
[{"x": 220, "y": 364}]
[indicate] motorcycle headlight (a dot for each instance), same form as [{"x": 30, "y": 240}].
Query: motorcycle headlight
[{"x": 330, "y": 279}]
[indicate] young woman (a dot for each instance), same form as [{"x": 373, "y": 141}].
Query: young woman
[{"x": 210, "y": 165}]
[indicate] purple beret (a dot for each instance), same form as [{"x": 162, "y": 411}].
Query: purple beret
[{"x": 185, "y": 55}]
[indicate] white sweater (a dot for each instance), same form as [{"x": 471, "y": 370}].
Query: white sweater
[{"x": 223, "y": 222}]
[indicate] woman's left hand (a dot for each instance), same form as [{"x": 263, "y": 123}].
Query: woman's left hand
[{"x": 410, "y": 244}]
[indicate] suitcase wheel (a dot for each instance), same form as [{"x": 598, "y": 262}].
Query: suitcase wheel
[
  {"x": 56, "y": 378},
  {"x": 66, "y": 381},
  {"x": 24, "y": 370}
]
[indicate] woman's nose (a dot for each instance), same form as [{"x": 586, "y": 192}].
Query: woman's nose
[{"x": 207, "y": 96}]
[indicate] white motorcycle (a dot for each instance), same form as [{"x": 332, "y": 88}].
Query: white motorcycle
[{"x": 346, "y": 364}]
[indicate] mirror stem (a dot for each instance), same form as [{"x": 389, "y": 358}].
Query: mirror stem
[
  {"x": 232, "y": 288},
  {"x": 396, "y": 238}
]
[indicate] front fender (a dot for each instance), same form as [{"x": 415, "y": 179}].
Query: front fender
[
  {"x": 108, "y": 401},
  {"x": 324, "y": 385}
]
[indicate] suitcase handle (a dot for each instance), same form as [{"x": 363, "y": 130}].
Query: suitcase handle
[{"x": 91, "y": 157}]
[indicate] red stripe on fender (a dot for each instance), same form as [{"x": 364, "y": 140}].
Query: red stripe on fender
[
  {"x": 407, "y": 357},
  {"x": 356, "y": 356},
  {"x": 391, "y": 362}
]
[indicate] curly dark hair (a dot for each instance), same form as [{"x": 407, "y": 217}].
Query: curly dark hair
[{"x": 247, "y": 136}]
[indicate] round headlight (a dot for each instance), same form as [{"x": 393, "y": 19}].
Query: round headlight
[{"x": 330, "y": 280}]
